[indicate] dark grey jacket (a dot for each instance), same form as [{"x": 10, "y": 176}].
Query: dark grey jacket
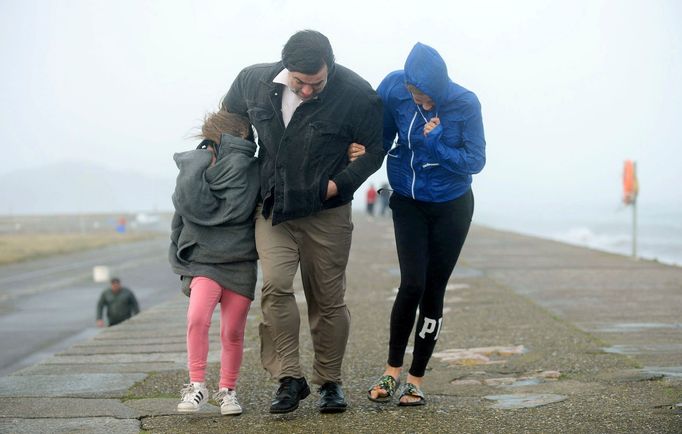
[
  {"x": 297, "y": 162},
  {"x": 212, "y": 232},
  {"x": 120, "y": 305}
]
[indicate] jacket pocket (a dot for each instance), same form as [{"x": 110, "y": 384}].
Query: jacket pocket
[
  {"x": 258, "y": 114},
  {"x": 261, "y": 118},
  {"x": 324, "y": 186},
  {"x": 324, "y": 138}
]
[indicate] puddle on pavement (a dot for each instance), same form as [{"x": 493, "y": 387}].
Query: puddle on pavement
[
  {"x": 676, "y": 408},
  {"x": 467, "y": 272},
  {"x": 622, "y": 349},
  {"x": 528, "y": 379},
  {"x": 629, "y": 350},
  {"x": 453, "y": 300},
  {"x": 526, "y": 382},
  {"x": 636, "y": 327},
  {"x": 479, "y": 356},
  {"x": 666, "y": 371},
  {"x": 524, "y": 400},
  {"x": 456, "y": 286},
  {"x": 394, "y": 271}
]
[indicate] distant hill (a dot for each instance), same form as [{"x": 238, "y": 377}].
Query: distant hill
[{"x": 79, "y": 187}]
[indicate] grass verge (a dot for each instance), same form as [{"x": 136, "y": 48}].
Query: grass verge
[{"x": 23, "y": 247}]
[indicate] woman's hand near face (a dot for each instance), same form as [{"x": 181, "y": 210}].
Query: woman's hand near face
[
  {"x": 433, "y": 123},
  {"x": 355, "y": 150}
]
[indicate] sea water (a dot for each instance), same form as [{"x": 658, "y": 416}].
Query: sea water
[{"x": 606, "y": 227}]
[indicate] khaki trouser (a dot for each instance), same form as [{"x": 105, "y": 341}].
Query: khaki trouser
[{"x": 320, "y": 244}]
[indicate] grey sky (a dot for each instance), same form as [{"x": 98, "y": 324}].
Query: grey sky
[{"x": 569, "y": 89}]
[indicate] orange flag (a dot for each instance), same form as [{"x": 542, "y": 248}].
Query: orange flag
[{"x": 630, "y": 184}]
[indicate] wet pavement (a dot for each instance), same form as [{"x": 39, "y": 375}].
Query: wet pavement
[
  {"x": 47, "y": 305},
  {"x": 527, "y": 345}
]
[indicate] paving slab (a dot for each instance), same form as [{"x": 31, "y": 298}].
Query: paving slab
[
  {"x": 165, "y": 407},
  {"x": 68, "y": 385},
  {"x": 99, "y": 368},
  {"x": 35, "y": 408},
  {"x": 133, "y": 340},
  {"x": 158, "y": 333},
  {"x": 176, "y": 357},
  {"x": 524, "y": 400},
  {"x": 91, "y": 425},
  {"x": 130, "y": 348}
]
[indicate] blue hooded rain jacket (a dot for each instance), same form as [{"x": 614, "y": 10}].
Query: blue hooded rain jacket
[{"x": 436, "y": 167}]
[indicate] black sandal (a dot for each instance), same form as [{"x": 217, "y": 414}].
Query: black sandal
[
  {"x": 411, "y": 390},
  {"x": 386, "y": 383}
]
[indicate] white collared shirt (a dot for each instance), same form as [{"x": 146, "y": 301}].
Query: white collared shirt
[{"x": 290, "y": 101}]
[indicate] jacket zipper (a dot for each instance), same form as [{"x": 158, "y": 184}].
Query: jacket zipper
[{"x": 409, "y": 144}]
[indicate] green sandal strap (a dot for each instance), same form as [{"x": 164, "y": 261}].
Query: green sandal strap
[
  {"x": 410, "y": 389},
  {"x": 387, "y": 383}
]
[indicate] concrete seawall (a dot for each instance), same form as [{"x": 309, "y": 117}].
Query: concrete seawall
[{"x": 537, "y": 336}]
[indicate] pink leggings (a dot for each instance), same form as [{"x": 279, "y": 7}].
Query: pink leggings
[{"x": 206, "y": 293}]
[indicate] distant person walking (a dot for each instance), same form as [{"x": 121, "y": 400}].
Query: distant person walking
[
  {"x": 371, "y": 199},
  {"x": 120, "y": 303},
  {"x": 384, "y": 197},
  {"x": 440, "y": 145},
  {"x": 214, "y": 250}
]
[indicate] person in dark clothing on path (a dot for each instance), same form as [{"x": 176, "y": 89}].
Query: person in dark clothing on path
[
  {"x": 371, "y": 199},
  {"x": 120, "y": 302},
  {"x": 384, "y": 197},
  {"x": 307, "y": 111}
]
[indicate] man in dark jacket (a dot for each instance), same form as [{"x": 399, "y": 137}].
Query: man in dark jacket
[
  {"x": 307, "y": 111},
  {"x": 120, "y": 302}
]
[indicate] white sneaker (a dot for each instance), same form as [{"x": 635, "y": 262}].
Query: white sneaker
[
  {"x": 228, "y": 401},
  {"x": 194, "y": 396}
]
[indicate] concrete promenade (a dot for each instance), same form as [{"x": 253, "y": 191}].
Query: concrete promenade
[{"x": 537, "y": 336}]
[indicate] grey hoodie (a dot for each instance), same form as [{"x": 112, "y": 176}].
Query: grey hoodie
[{"x": 212, "y": 232}]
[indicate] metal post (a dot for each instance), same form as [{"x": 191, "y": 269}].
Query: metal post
[
  {"x": 634, "y": 212},
  {"x": 634, "y": 229}
]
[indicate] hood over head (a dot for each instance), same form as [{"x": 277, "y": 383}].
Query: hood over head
[{"x": 426, "y": 70}]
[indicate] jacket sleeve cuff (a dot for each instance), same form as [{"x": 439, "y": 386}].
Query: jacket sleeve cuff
[{"x": 344, "y": 186}]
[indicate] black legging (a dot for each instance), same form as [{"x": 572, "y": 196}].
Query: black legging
[{"x": 429, "y": 237}]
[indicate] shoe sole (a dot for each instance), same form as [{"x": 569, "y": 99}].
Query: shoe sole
[
  {"x": 333, "y": 409},
  {"x": 301, "y": 396},
  {"x": 189, "y": 410},
  {"x": 412, "y": 404},
  {"x": 231, "y": 412}
]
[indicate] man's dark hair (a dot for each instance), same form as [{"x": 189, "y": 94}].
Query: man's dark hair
[
  {"x": 307, "y": 51},
  {"x": 115, "y": 280}
]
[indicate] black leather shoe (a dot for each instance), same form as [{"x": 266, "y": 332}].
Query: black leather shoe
[
  {"x": 331, "y": 398},
  {"x": 291, "y": 391}
]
